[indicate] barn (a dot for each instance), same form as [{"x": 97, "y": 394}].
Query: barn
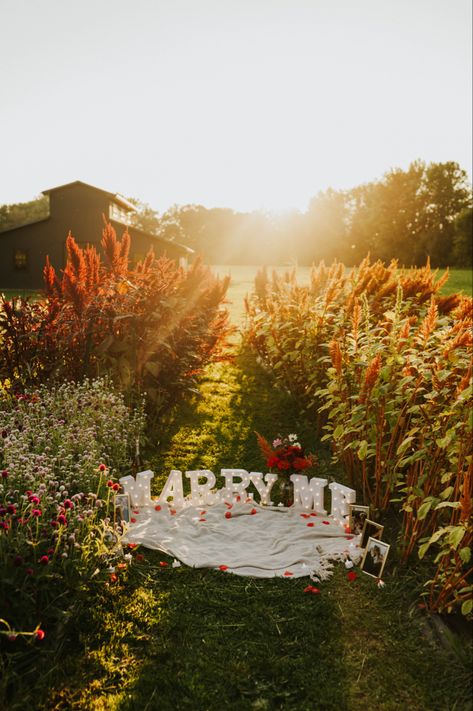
[{"x": 78, "y": 208}]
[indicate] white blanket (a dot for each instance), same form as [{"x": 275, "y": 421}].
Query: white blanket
[{"x": 246, "y": 538}]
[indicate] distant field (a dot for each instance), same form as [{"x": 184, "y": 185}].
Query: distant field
[{"x": 243, "y": 281}]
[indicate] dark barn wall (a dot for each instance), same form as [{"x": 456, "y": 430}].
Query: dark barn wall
[
  {"x": 37, "y": 240},
  {"x": 79, "y": 209}
]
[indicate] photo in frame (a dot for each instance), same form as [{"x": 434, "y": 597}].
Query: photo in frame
[
  {"x": 122, "y": 508},
  {"x": 371, "y": 529},
  {"x": 374, "y": 558},
  {"x": 357, "y": 517}
]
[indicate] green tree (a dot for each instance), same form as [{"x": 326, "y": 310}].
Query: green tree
[{"x": 22, "y": 213}]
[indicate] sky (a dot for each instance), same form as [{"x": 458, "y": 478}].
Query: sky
[{"x": 248, "y": 104}]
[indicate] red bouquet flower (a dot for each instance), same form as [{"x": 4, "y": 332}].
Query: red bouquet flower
[{"x": 285, "y": 455}]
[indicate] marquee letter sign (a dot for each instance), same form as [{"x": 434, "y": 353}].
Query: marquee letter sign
[{"x": 308, "y": 494}]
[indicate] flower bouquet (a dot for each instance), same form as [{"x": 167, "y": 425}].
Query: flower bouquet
[{"x": 286, "y": 456}]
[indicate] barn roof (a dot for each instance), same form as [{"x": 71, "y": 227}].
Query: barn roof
[{"x": 116, "y": 197}]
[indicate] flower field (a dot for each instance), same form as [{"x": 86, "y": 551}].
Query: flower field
[
  {"x": 372, "y": 370},
  {"x": 382, "y": 365}
]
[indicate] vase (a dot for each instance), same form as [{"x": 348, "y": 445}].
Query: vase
[{"x": 284, "y": 490}]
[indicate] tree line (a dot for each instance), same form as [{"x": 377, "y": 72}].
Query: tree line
[{"x": 424, "y": 211}]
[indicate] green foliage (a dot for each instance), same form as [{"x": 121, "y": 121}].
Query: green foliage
[
  {"x": 383, "y": 364},
  {"x": 61, "y": 451},
  {"x": 23, "y": 212},
  {"x": 151, "y": 328}
]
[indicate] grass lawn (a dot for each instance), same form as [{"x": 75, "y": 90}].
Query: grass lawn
[{"x": 170, "y": 639}]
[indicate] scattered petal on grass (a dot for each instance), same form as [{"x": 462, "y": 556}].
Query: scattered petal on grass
[
  {"x": 163, "y": 564},
  {"x": 311, "y": 589},
  {"x": 223, "y": 567},
  {"x": 352, "y": 576}
]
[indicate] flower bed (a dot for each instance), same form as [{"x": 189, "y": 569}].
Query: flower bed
[
  {"x": 383, "y": 365},
  {"x": 61, "y": 453}
]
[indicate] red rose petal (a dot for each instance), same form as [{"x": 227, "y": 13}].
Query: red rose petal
[
  {"x": 352, "y": 576},
  {"x": 305, "y": 515},
  {"x": 228, "y": 514},
  {"x": 288, "y": 573},
  {"x": 248, "y": 501},
  {"x": 327, "y": 523},
  {"x": 349, "y": 538},
  {"x": 238, "y": 498},
  {"x": 253, "y": 511},
  {"x": 136, "y": 512},
  {"x": 202, "y": 519},
  {"x": 202, "y": 513},
  {"x": 223, "y": 567},
  {"x": 157, "y": 508},
  {"x": 230, "y": 506},
  {"x": 133, "y": 520},
  {"x": 312, "y": 589},
  {"x": 311, "y": 525},
  {"x": 163, "y": 564},
  {"x": 313, "y": 514},
  {"x": 173, "y": 512}
]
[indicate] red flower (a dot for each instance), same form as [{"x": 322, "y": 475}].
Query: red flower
[
  {"x": 133, "y": 545},
  {"x": 349, "y": 538},
  {"x": 68, "y": 504},
  {"x": 4, "y": 474},
  {"x": 283, "y": 465},
  {"x": 228, "y": 514},
  {"x": 312, "y": 589},
  {"x": 352, "y": 576},
  {"x": 44, "y": 560},
  {"x": 33, "y": 499},
  {"x": 102, "y": 467},
  {"x": 11, "y": 509},
  {"x": 110, "y": 483},
  {"x": 113, "y": 577},
  {"x": 40, "y": 635},
  {"x": 29, "y": 571},
  {"x": 116, "y": 487},
  {"x": 300, "y": 463},
  {"x": 223, "y": 567},
  {"x": 62, "y": 519}
]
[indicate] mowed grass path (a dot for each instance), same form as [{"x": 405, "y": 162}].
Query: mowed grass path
[{"x": 168, "y": 639}]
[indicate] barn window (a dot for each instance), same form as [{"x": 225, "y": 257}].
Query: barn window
[{"x": 20, "y": 259}]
